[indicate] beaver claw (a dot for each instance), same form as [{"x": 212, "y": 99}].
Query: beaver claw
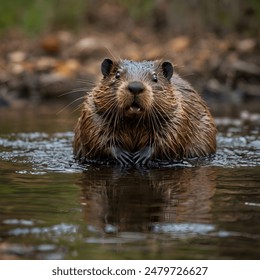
[
  {"x": 122, "y": 157},
  {"x": 143, "y": 156},
  {"x": 139, "y": 158}
]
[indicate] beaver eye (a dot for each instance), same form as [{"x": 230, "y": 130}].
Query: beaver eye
[
  {"x": 118, "y": 75},
  {"x": 154, "y": 78}
]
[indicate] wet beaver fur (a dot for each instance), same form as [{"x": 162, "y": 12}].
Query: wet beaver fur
[{"x": 140, "y": 113}]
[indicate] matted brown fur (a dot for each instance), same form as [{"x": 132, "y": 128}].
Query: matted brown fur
[{"x": 141, "y": 112}]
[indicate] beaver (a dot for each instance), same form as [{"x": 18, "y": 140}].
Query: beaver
[{"x": 143, "y": 112}]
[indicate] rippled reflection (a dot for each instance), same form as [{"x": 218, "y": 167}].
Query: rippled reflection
[
  {"x": 136, "y": 202},
  {"x": 53, "y": 208}
]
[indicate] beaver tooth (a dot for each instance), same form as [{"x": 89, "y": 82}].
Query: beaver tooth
[{"x": 135, "y": 109}]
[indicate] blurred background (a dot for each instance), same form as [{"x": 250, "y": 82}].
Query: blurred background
[
  {"x": 51, "y": 207},
  {"x": 53, "y": 48}
]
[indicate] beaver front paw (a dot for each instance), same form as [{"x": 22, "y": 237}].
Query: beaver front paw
[
  {"x": 143, "y": 156},
  {"x": 139, "y": 158},
  {"x": 122, "y": 156}
]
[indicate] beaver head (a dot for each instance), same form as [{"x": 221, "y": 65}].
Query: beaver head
[{"x": 132, "y": 89}]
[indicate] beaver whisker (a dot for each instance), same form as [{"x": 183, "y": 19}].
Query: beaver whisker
[
  {"x": 111, "y": 115},
  {"x": 85, "y": 81},
  {"x": 170, "y": 143},
  {"x": 159, "y": 117},
  {"x": 115, "y": 125},
  {"x": 156, "y": 125},
  {"x": 74, "y": 91},
  {"x": 77, "y": 108},
  {"x": 163, "y": 108},
  {"x": 68, "y": 105},
  {"x": 105, "y": 106},
  {"x": 111, "y": 120}
]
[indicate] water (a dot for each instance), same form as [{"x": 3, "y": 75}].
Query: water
[{"x": 52, "y": 208}]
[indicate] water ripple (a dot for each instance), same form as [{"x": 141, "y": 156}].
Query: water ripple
[{"x": 53, "y": 152}]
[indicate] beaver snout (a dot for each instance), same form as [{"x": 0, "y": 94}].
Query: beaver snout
[{"x": 136, "y": 87}]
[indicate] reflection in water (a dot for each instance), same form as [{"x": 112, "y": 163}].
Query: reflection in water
[
  {"x": 136, "y": 202},
  {"x": 53, "y": 208}
]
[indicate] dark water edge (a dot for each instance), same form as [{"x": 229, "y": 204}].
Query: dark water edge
[{"x": 53, "y": 208}]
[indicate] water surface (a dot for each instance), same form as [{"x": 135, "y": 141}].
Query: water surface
[{"x": 53, "y": 208}]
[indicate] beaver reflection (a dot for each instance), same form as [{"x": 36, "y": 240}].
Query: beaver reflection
[{"x": 132, "y": 201}]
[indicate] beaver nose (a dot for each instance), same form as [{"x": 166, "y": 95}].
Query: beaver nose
[{"x": 135, "y": 87}]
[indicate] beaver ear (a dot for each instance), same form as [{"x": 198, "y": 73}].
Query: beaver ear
[
  {"x": 167, "y": 70},
  {"x": 106, "y": 66}
]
